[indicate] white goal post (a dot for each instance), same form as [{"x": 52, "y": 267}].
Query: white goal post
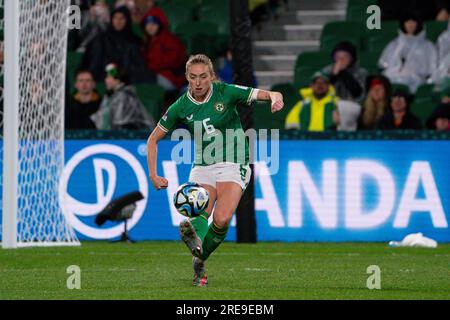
[{"x": 33, "y": 131}]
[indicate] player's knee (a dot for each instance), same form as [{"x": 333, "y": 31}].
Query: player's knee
[{"x": 221, "y": 221}]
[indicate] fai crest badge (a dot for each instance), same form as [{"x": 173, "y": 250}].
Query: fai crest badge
[{"x": 219, "y": 107}]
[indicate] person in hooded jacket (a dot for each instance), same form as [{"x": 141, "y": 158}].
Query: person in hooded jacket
[
  {"x": 118, "y": 44},
  {"x": 164, "y": 53},
  {"x": 121, "y": 107},
  {"x": 409, "y": 59},
  {"x": 443, "y": 47},
  {"x": 348, "y": 79}
]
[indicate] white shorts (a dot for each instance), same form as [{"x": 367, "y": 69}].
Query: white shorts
[{"x": 221, "y": 172}]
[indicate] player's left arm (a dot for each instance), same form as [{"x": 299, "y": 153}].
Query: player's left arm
[
  {"x": 276, "y": 99},
  {"x": 242, "y": 94}
]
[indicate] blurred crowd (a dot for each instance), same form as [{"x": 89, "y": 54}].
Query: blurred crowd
[
  {"x": 134, "y": 39},
  {"x": 343, "y": 96},
  {"x": 124, "y": 43}
]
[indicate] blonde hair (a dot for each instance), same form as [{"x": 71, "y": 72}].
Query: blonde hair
[{"x": 201, "y": 59}]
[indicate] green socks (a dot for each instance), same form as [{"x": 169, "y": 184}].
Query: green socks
[
  {"x": 211, "y": 236},
  {"x": 200, "y": 225},
  {"x": 213, "y": 239}
]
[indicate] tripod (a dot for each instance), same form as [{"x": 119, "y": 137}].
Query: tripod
[{"x": 124, "y": 237}]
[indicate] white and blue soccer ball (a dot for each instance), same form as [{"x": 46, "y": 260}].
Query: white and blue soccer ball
[{"x": 191, "y": 199}]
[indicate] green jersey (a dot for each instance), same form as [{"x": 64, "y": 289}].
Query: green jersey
[{"x": 215, "y": 122}]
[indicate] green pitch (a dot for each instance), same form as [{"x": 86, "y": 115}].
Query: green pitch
[{"x": 162, "y": 270}]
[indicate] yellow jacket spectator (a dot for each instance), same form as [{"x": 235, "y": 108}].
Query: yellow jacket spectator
[{"x": 317, "y": 111}]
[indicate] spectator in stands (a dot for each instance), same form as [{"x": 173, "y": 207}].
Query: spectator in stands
[
  {"x": 226, "y": 71},
  {"x": 443, "y": 45},
  {"x": 121, "y": 108},
  {"x": 317, "y": 111},
  {"x": 409, "y": 59},
  {"x": 83, "y": 103},
  {"x": 429, "y": 9},
  {"x": 117, "y": 45},
  {"x": 440, "y": 118},
  {"x": 164, "y": 53},
  {"x": 349, "y": 81},
  {"x": 95, "y": 18},
  {"x": 398, "y": 115},
  {"x": 138, "y": 8},
  {"x": 376, "y": 102}
]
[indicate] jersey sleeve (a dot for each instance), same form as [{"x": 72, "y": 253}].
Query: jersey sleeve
[
  {"x": 170, "y": 119},
  {"x": 240, "y": 94}
]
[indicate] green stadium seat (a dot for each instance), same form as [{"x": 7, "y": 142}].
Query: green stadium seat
[
  {"x": 377, "y": 44},
  {"x": 425, "y": 91},
  {"x": 434, "y": 29},
  {"x": 137, "y": 29},
  {"x": 152, "y": 97},
  {"x": 220, "y": 5},
  {"x": 376, "y": 40},
  {"x": 263, "y": 116},
  {"x": 357, "y": 10},
  {"x": 199, "y": 37},
  {"x": 316, "y": 59},
  {"x": 73, "y": 62},
  {"x": 423, "y": 109},
  {"x": 428, "y": 91},
  {"x": 101, "y": 88},
  {"x": 307, "y": 64},
  {"x": 369, "y": 61},
  {"x": 211, "y": 14},
  {"x": 399, "y": 86},
  {"x": 187, "y": 5},
  {"x": 176, "y": 15},
  {"x": 338, "y": 31}
]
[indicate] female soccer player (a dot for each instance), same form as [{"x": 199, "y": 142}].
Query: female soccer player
[{"x": 221, "y": 153}]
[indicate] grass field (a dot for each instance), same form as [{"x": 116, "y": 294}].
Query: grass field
[{"x": 162, "y": 270}]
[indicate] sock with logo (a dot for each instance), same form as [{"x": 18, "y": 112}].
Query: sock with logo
[
  {"x": 200, "y": 225},
  {"x": 213, "y": 239}
]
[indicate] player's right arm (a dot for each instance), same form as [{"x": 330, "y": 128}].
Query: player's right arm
[
  {"x": 167, "y": 122},
  {"x": 152, "y": 156}
]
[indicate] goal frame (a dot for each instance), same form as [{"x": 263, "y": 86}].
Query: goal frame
[{"x": 10, "y": 232}]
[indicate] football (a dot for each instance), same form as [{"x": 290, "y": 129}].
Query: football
[{"x": 191, "y": 199}]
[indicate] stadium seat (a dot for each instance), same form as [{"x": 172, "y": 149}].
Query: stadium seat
[
  {"x": 425, "y": 91},
  {"x": 137, "y": 29},
  {"x": 199, "y": 37},
  {"x": 338, "y": 31},
  {"x": 73, "y": 62},
  {"x": 101, "y": 88},
  {"x": 307, "y": 64},
  {"x": 211, "y": 14},
  {"x": 220, "y": 5},
  {"x": 423, "y": 109},
  {"x": 152, "y": 97},
  {"x": 399, "y": 86},
  {"x": 177, "y": 15},
  {"x": 428, "y": 91},
  {"x": 369, "y": 61},
  {"x": 263, "y": 116},
  {"x": 186, "y": 5},
  {"x": 434, "y": 29},
  {"x": 357, "y": 10},
  {"x": 376, "y": 40}
]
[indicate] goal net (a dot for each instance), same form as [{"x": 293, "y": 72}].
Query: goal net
[{"x": 33, "y": 118}]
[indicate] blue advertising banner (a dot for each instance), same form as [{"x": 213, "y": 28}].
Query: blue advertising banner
[{"x": 314, "y": 191}]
